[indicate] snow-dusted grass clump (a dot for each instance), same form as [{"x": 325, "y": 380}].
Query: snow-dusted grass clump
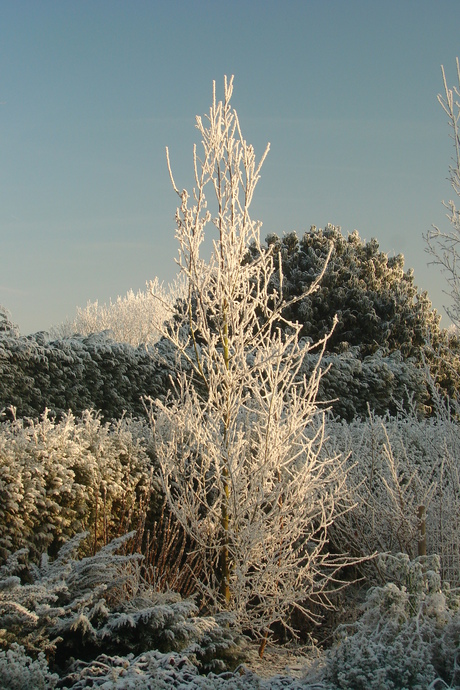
[{"x": 396, "y": 466}]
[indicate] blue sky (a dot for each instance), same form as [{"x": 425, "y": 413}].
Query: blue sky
[{"x": 91, "y": 92}]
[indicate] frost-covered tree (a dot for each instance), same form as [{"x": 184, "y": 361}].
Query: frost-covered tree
[
  {"x": 444, "y": 245},
  {"x": 239, "y": 455},
  {"x": 377, "y": 304},
  {"x": 130, "y": 319}
]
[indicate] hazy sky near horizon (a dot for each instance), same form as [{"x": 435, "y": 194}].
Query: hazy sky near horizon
[{"x": 91, "y": 92}]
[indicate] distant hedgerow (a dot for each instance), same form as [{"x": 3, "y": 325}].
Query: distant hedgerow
[{"x": 78, "y": 373}]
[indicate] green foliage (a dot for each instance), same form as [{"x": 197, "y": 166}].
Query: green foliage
[{"x": 71, "y": 607}]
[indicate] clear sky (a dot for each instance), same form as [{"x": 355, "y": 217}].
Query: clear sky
[{"x": 91, "y": 92}]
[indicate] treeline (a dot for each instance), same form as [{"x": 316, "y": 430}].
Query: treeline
[
  {"x": 386, "y": 338},
  {"x": 96, "y": 372}
]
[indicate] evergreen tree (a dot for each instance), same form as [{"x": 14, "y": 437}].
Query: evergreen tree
[
  {"x": 387, "y": 331},
  {"x": 377, "y": 304}
]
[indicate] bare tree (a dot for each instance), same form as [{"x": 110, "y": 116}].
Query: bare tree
[
  {"x": 444, "y": 246},
  {"x": 239, "y": 455}
]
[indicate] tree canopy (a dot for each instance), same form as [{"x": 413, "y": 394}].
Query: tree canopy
[{"x": 377, "y": 303}]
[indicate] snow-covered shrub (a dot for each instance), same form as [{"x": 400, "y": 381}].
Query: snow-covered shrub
[
  {"x": 20, "y": 672},
  {"x": 70, "y": 607},
  {"x": 131, "y": 319},
  {"x": 407, "y": 636},
  {"x": 396, "y": 465},
  {"x": 149, "y": 671},
  {"x": 40, "y": 604},
  {"x": 80, "y": 373},
  {"x": 387, "y": 486},
  {"x": 156, "y": 671},
  {"x": 380, "y": 311},
  {"x": 351, "y": 384},
  {"x": 60, "y": 478}
]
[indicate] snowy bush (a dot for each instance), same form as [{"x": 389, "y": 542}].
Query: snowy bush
[
  {"x": 70, "y": 607},
  {"x": 78, "y": 373},
  {"x": 39, "y": 604},
  {"x": 396, "y": 465},
  {"x": 380, "y": 312},
  {"x": 20, "y": 672},
  {"x": 156, "y": 671},
  {"x": 59, "y": 478},
  {"x": 408, "y": 635},
  {"x": 95, "y": 372},
  {"x": 380, "y": 382}
]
